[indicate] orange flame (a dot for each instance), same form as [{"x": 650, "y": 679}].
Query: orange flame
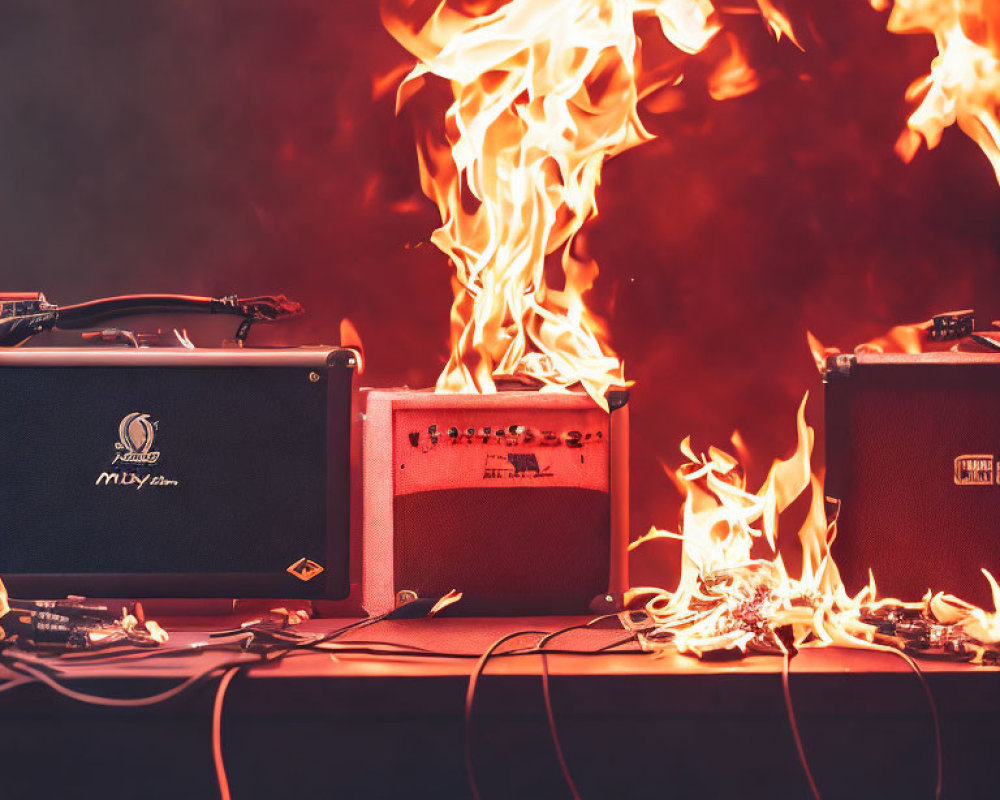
[
  {"x": 898, "y": 339},
  {"x": 541, "y": 95},
  {"x": 351, "y": 339},
  {"x": 443, "y": 602},
  {"x": 729, "y": 598},
  {"x": 726, "y": 598},
  {"x": 4, "y": 607},
  {"x": 963, "y": 85},
  {"x": 981, "y": 625},
  {"x": 156, "y": 633}
]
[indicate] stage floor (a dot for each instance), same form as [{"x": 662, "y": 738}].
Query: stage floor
[{"x": 631, "y": 724}]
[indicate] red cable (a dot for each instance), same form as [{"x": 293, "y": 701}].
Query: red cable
[
  {"x": 786, "y": 666},
  {"x": 220, "y": 767}
]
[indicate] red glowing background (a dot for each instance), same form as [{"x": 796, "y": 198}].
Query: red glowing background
[{"x": 235, "y": 147}]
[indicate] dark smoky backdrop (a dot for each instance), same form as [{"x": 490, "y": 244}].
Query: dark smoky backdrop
[{"x": 251, "y": 146}]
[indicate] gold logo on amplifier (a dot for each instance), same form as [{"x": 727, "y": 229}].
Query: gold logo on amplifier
[
  {"x": 305, "y": 569},
  {"x": 975, "y": 470},
  {"x": 134, "y": 450},
  {"x": 136, "y": 432}
]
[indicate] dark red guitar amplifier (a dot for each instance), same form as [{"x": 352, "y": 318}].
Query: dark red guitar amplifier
[
  {"x": 912, "y": 444},
  {"x": 519, "y": 500},
  {"x": 175, "y": 473}
]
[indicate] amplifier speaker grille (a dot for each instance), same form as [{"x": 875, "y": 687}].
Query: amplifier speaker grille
[
  {"x": 898, "y": 431},
  {"x": 148, "y": 478}
]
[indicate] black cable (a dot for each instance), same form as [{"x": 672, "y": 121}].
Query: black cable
[
  {"x": 534, "y": 650},
  {"x": 21, "y": 666},
  {"x": 939, "y": 784},
  {"x": 133, "y": 655},
  {"x": 547, "y": 694},
  {"x": 32, "y": 670},
  {"x": 470, "y": 697},
  {"x": 347, "y": 649},
  {"x": 403, "y": 647},
  {"x": 327, "y": 637},
  {"x": 547, "y": 697},
  {"x": 632, "y": 637},
  {"x": 351, "y": 647},
  {"x": 938, "y": 749},
  {"x": 93, "y": 311}
]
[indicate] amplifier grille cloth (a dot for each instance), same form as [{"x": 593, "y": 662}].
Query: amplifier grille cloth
[{"x": 246, "y": 446}]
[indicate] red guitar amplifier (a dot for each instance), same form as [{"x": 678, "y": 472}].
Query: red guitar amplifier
[
  {"x": 519, "y": 500},
  {"x": 912, "y": 444}
]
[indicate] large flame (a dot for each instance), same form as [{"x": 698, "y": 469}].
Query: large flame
[
  {"x": 963, "y": 85},
  {"x": 541, "y": 95},
  {"x": 735, "y": 594}
]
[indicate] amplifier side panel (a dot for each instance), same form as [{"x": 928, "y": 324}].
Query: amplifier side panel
[
  {"x": 339, "y": 378},
  {"x": 619, "y": 469},
  {"x": 377, "y": 592}
]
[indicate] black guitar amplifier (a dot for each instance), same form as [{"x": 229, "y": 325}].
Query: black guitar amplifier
[
  {"x": 175, "y": 473},
  {"x": 912, "y": 446}
]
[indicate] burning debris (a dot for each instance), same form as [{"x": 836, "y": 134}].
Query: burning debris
[{"x": 730, "y": 601}]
